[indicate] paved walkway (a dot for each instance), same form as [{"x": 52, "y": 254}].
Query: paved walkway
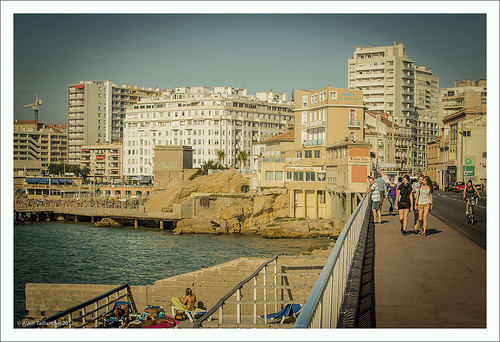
[{"x": 437, "y": 281}]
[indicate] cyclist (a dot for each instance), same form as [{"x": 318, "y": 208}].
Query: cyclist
[{"x": 470, "y": 191}]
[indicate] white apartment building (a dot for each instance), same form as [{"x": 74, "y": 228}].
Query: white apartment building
[
  {"x": 96, "y": 110},
  {"x": 392, "y": 83},
  {"x": 224, "y": 118}
]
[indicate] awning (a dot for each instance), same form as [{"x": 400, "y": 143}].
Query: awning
[
  {"x": 31, "y": 180},
  {"x": 100, "y": 157},
  {"x": 145, "y": 179},
  {"x": 43, "y": 180}
]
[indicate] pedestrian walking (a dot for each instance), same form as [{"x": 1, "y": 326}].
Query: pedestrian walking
[
  {"x": 381, "y": 187},
  {"x": 375, "y": 200},
  {"x": 390, "y": 194},
  {"x": 424, "y": 203},
  {"x": 404, "y": 203},
  {"x": 416, "y": 186}
]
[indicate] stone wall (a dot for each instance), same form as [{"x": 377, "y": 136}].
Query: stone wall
[{"x": 209, "y": 285}]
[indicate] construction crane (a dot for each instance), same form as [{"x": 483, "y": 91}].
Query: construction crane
[{"x": 38, "y": 102}]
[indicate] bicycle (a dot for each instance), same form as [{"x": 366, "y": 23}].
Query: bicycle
[{"x": 471, "y": 213}]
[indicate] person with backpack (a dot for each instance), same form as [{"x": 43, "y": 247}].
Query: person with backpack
[
  {"x": 404, "y": 202},
  {"x": 414, "y": 191}
]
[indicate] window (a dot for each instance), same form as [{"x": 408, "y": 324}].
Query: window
[
  {"x": 333, "y": 95},
  {"x": 288, "y": 176},
  {"x": 298, "y": 154},
  {"x": 307, "y": 154},
  {"x": 320, "y": 177},
  {"x": 304, "y": 117},
  {"x": 304, "y": 101},
  {"x": 269, "y": 175},
  {"x": 298, "y": 176},
  {"x": 321, "y": 196},
  {"x": 317, "y": 154},
  {"x": 278, "y": 175},
  {"x": 310, "y": 177}
]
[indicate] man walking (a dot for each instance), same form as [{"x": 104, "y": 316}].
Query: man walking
[
  {"x": 375, "y": 200},
  {"x": 381, "y": 186}
]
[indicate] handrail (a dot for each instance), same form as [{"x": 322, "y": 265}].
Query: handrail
[
  {"x": 221, "y": 301},
  {"x": 326, "y": 277},
  {"x": 45, "y": 321}
]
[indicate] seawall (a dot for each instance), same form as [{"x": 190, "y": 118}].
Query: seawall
[{"x": 298, "y": 273}]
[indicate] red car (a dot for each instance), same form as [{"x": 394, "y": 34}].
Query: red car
[{"x": 459, "y": 186}]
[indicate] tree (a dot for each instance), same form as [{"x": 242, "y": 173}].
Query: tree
[
  {"x": 84, "y": 172},
  {"x": 242, "y": 158},
  {"x": 221, "y": 155}
]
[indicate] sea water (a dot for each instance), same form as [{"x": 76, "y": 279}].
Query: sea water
[{"x": 79, "y": 253}]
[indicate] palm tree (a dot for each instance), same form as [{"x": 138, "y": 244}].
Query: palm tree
[
  {"x": 242, "y": 158},
  {"x": 221, "y": 155}
]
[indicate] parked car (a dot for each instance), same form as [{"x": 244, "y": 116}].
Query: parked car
[
  {"x": 478, "y": 187},
  {"x": 435, "y": 185},
  {"x": 450, "y": 186},
  {"x": 459, "y": 186}
]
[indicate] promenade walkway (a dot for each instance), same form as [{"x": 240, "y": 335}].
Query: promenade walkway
[{"x": 437, "y": 281}]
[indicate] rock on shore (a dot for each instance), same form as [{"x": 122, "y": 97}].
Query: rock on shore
[
  {"x": 107, "y": 222},
  {"x": 226, "y": 182}
]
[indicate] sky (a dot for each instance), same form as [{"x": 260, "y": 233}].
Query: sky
[{"x": 277, "y": 51}]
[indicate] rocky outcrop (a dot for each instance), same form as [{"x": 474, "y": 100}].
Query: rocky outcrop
[
  {"x": 107, "y": 222},
  {"x": 227, "y": 182}
]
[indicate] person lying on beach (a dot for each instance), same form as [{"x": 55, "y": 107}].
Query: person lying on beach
[
  {"x": 152, "y": 313},
  {"x": 152, "y": 322},
  {"x": 122, "y": 310}
]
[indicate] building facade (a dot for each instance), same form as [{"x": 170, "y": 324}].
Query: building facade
[
  {"x": 322, "y": 117},
  {"x": 225, "y": 119},
  {"x": 392, "y": 83},
  {"x": 104, "y": 162},
  {"x": 96, "y": 110},
  {"x": 463, "y": 147},
  {"x": 36, "y": 146},
  {"x": 465, "y": 94}
]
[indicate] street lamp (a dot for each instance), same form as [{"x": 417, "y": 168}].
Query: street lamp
[{"x": 464, "y": 151}]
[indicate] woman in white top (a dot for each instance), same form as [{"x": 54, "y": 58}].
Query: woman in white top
[{"x": 424, "y": 203}]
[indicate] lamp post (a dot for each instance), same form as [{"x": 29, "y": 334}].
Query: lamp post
[{"x": 463, "y": 152}]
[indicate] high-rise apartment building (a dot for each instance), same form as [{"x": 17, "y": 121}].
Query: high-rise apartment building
[
  {"x": 392, "y": 83},
  {"x": 225, "y": 118},
  {"x": 96, "y": 110},
  {"x": 36, "y": 146}
]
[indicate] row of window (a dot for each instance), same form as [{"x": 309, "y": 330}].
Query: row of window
[{"x": 296, "y": 176}]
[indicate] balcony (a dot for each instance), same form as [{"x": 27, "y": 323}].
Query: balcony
[
  {"x": 353, "y": 124},
  {"x": 313, "y": 142},
  {"x": 316, "y": 124}
]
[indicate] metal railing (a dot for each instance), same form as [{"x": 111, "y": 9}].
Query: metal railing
[
  {"x": 83, "y": 313},
  {"x": 237, "y": 290},
  {"x": 322, "y": 308}
]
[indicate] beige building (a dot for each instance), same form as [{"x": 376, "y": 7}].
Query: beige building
[
  {"x": 391, "y": 144},
  {"x": 434, "y": 169},
  {"x": 463, "y": 147},
  {"x": 322, "y": 117},
  {"x": 347, "y": 168},
  {"x": 96, "y": 110},
  {"x": 36, "y": 146},
  {"x": 104, "y": 161},
  {"x": 465, "y": 94}
]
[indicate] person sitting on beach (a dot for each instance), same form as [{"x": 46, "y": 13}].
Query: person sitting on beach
[
  {"x": 149, "y": 323},
  {"x": 188, "y": 302}
]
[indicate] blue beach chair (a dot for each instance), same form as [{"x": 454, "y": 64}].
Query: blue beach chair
[{"x": 288, "y": 311}]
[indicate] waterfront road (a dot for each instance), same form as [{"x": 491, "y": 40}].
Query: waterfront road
[
  {"x": 437, "y": 281},
  {"x": 449, "y": 207}
]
